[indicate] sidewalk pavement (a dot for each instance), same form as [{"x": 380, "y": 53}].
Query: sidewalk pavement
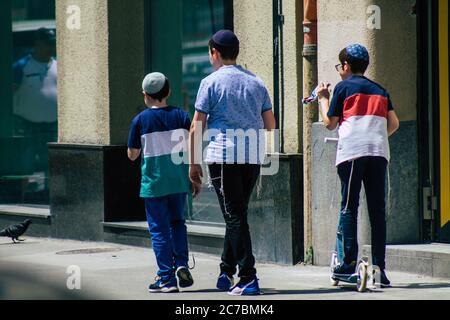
[{"x": 113, "y": 271}]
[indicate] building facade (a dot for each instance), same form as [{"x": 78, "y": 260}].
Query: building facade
[{"x": 104, "y": 49}]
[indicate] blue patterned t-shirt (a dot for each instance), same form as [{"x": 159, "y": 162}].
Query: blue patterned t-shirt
[{"x": 234, "y": 100}]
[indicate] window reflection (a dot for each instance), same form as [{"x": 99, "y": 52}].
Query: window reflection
[
  {"x": 201, "y": 19},
  {"x": 32, "y": 117}
]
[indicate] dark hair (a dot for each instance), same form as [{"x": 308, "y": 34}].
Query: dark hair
[
  {"x": 226, "y": 52},
  {"x": 356, "y": 65},
  {"x": 163, "y": 93}
]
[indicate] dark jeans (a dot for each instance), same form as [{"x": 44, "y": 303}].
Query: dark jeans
[
  {"x": 237, "y": 181},
  {"x": 372, "y": 172}
]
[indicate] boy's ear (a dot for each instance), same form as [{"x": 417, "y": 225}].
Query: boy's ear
[
  {"x": 346, "y": 66},
  {"x": 216, "y": 52}
]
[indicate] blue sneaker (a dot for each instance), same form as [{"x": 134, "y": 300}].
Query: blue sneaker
[
  {"x": 169, "y": 285},
  {"x": 224, "y": 282},
  {"x": 246, "y": 287}
]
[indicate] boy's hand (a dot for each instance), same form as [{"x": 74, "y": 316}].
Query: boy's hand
[
  {"x": 195, "y": 173},
  {"x": 324, "y": 92},
  {"x": 196, "y": 189}
]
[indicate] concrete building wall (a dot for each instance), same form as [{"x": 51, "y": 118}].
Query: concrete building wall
[
  {"x": 293, "y": 75},
  {"x": 253, "y": 23},
  {"x": 394, "y": 66},
  {"x": 83, "y": 100},
  {"x": 100, "y": 70},
  {"x": 253, "y": 26},
  {"x": 393, "y": 54}
]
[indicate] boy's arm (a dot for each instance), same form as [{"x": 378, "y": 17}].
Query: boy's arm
[
  {"x": 134, "y": 140},
  {"x": 267, "y": 113},
  {"x": 324, "y": 106},
  {"x": 392, "y": 122},
  {"x": 195, "y": 142},
  {"x": 133, "y": 154},
  {"x": 269, "y": 120}
]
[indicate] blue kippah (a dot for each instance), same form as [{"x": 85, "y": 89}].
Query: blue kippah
[
  {"x": 358, "y": 52},
  {"x": 225, "y": 38}
]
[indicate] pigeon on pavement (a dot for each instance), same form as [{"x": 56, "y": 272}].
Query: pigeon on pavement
[{"x": 15, "y": 231}]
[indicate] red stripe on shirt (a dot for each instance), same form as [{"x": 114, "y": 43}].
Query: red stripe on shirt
[{"x": 365, "y": 105}]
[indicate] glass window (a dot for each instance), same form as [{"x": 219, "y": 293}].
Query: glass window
[
  {"x": 29, "y": 102},
  {"x": 177, "y": 36},
  {"x": 201, "y": 19}
]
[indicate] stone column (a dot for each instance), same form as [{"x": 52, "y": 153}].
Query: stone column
[{"x": 100, "y": 69}]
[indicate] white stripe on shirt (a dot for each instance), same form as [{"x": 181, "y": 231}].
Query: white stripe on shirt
[
  {"x": 362, "y": 136},
  {"x": 165, "y": 142}
]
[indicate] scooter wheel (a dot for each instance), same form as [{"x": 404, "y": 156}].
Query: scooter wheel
[
  {"x": 361, "y": 284},
  {"x": 334, "y": 262}
]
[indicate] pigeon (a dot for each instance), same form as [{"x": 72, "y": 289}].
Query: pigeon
[{"x": 15, "y": 231}]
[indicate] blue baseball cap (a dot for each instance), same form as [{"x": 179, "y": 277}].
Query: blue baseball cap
[
  {"x": 225, "y": 38},
  {"x": 357, "y": 52}
]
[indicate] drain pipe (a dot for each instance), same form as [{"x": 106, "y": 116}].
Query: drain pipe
[
  {"x": 276, "y": 64},
  {"x": 310, "y": 115},
  {"x": 278, "y": 70}
]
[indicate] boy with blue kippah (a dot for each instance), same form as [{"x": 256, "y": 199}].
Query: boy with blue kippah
[
  {"x": 366, "y": 118},
  {"x": 232, "y": 99},
  {"x": 164, "y": 186}
]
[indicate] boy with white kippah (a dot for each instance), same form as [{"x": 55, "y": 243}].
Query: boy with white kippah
[{"x": 157, "y": 131}]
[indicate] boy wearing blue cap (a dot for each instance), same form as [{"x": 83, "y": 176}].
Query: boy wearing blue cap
[
  {"x": 364, "y": 113},
  {"x": 232, "y": 99},
  {"x": 157, "y": 131}
]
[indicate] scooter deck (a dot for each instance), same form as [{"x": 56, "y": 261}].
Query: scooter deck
[{"x": 353, "y": 278}]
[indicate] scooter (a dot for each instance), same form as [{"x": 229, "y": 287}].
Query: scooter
[{"x": 366, "y": 276}]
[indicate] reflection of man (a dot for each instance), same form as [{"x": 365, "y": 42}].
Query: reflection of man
[{"x": 35, "y": 100}]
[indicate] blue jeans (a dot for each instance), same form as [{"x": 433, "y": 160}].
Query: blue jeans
[
  {"x": 166, "y": 222},
  {"x": 372, "y": 172}
]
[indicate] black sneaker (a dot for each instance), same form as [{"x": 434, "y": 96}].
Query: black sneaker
[
  {"x": 384, "y": 281},
  {"x": 345, "y": 269},
  {"x": 169, "y": 285},
  {"x": 184, "y": 277}
]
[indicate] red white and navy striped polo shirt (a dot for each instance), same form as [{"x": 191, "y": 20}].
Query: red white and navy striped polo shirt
[{"x": 362, "y": 107}]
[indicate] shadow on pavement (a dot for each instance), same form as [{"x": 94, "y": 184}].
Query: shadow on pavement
[
  {"x": 202, "y": 291},
  {"x": 272, "y": 291},
  {"x": 17, "y": 243},
  {"x": 17, "y": 284},
  {"x": 422, "y": 286}
]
